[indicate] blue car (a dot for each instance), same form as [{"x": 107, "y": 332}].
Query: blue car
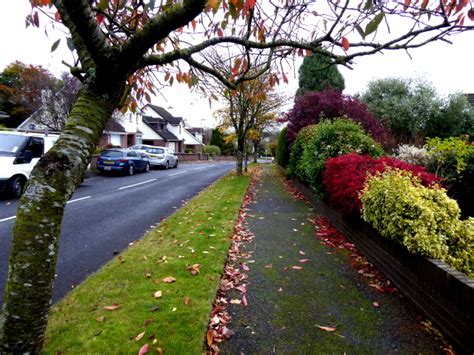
[{"x": 122, "y": 160}]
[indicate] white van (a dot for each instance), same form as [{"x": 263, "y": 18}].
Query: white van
[{"x": 19, "y": 153}]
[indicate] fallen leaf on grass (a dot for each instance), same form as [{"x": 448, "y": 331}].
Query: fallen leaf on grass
[
  {"x": 147, "y": 322},
  {"x": 280, "y": 289},
  {"x": 101, "y": 319},
  {"x": 113, "y": 307},
  {"x": 327, "y": 329},
  {"x": 158, "y": 294},
  {"x": 160, "y": 351},
  {"x": 186, "y": 300},
  {"x": 139, "y": 336},
  {"x": 303, "y": 260},
  {"x": 376, "y": 304},
  {"x": 144, "y": 349},
  {"x": 193, "y": 269},
  {"x": 269, "y": 266},
  {"x": 302, "y": 252},
  {"x": 169, "y": 279},
  {"x": 297, "y": 267},
  {"x": 154, "y": 308}
]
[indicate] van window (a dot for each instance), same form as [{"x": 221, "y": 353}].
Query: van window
[
  {"x": 9, "y": 143},
  {"x": 36, "y": 147}
]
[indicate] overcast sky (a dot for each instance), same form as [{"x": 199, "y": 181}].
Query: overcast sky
[{"x": 448, "y": 67}]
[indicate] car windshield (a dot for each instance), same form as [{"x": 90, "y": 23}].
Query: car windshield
[
  {"x": 111, "y": 153},
  {"x": 155, "y": 150},
  {"x": 9, "y": 143}
]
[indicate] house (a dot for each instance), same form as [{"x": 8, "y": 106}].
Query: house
[
  {"x": 152, "y": 125},
  {"x": 470, "y": 98},
  {"x": 161, "y": 128}
]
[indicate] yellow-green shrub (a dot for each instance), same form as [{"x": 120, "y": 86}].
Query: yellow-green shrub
[{"x": 423, "y": 219}]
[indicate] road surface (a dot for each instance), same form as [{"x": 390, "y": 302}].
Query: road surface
[{"x": 107, "y": 213}]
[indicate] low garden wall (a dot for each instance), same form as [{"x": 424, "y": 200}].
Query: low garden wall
[
  {"x": 443, "y": 294},
  {"x": 192, "y": 156}
]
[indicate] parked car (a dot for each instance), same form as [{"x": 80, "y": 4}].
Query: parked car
[
  {"x": 19, "y": 153},
  {"x": 158, "y": 156},
  {"x": 122, "y": 160}
]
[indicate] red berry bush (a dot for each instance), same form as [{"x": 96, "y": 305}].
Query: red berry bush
[{"x": 344, "y": 177}]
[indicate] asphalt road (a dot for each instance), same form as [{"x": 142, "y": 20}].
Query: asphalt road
[{"x": 107, "y": 213}]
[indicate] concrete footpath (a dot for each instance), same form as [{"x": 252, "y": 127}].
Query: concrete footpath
[{"x": 318, "y": 305}]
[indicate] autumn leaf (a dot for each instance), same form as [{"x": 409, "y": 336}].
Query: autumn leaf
[
  {"x": 169, "y": 279},
  {"x": 101, "y": 319},
  {"x": 113, "y": 307},
  {"x": 144, "y": 349},
  {"x": 186, "y": 300},
  {"x": 158, "y": 294},
  {"x": 303, "y": 260},
  {"x": 327, "y": 329},
  {"x": 297, "y": 267},
  {"x": 376, "y": 304},
  {"x": 302, "y": 252},
  {"x": 345, "y": 44},
  {"x": 147, "y": 322},
  {"x": 245, "y": 267},
  {"x": 269, "y": 266},
  {"x": 193, "y": 269},
  {"x": 244, "y": 300},
  {"x": 139, "y": 336},
  {"x": 235, "y": 301}
]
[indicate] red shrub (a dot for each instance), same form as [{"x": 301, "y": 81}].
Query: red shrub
[
  {"x": 331, "y": 103},
  {"x": 344, "y": 178}
]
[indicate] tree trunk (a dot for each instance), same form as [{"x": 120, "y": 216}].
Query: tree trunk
[
  {"x": 255, "y": 153},
  {"x": 240, "y": 156},
  {"x": 28, "y": 292}
]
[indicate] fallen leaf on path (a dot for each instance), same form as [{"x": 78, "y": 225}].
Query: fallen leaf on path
[
  {"x": 144, "y": 349},
  {"x": 302, "y": 252},
  {"x": 376, "y": 304},
  {"x": 297, "y": 267},
  {"x": 113, "y": 307},
  {"x": 169, "y": 279},
  {"x": 244, "y": 300},
  {"x": 158, "y": 294},
  {"x": 194, "y": 269},
  {"x": 303, "y": 260},
  {"x": 245, "y": 267},
  {"x": 327, "y": 329},
  {"x": 235, "y": 301},
  {"x": 139, "y": 336}
]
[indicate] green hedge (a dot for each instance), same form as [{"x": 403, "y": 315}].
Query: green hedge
[
  {"x": 328, "y": 139},
  {"x": 282, "y": 149},
  {"x": 305, "y": 135},
  {"x": 423, "y": 219},
  {"x": 211, "y": 150}
]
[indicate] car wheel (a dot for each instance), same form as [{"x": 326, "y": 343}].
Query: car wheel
[
  {"x": 16, "y": 186},
  {"x": 167, "y": 165},
  {"x": 131, "y": 169},
  {"x": 176, "y": 164},
  {"x": 147, "y": 167}
]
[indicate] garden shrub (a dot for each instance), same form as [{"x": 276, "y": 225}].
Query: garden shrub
[
  {"x": 412, "y": 154},
  {"x": 423, "y": 219},
  {"x": 212, "y": 150},
  {"x": 331, "y": 139},
  {"x": 304, "y": 138},
  {"x": 452, "y": 159},
  {"x": 282, "y": 151},
  {"x": 344, "y": 178},
  {"x": 312, "y": 107}
]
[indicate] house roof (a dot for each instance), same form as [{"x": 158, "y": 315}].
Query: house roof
[
  {"x": 113, "y": 126},
  {"x": 470, "y": 98},
  {"x": 167, "y": 135},
  {"x": 195, "y": 129},
  {"x": 166, "y": 115}
]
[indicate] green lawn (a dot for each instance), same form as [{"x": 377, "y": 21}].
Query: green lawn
[{"x": 176, "y": 322}]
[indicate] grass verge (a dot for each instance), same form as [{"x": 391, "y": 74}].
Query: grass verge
[{"x": 119, "y": 309}]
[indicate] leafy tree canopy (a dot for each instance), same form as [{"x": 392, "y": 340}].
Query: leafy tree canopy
[
  {"x": 414, "y": 110},
  {"x": 318, "y": 73}
]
